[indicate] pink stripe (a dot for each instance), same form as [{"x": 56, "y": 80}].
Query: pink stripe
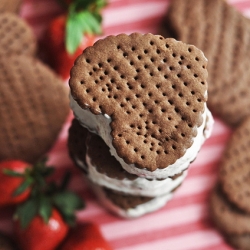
[
  {"x": 150, "y": 9},
  {"x": 173, "y": 217},
  {"x": 221, "y": 246},
  {"x": 190, "y": 241},
  {"x": 158, "y": 235}
]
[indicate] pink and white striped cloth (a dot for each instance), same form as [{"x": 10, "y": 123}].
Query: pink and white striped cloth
[{"x": 184, "y": 222}]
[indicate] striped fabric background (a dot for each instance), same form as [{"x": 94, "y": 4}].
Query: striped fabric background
[{"x": 184, "y": 222}]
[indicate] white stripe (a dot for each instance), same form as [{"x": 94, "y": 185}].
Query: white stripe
[
  {"x": 189, "y": 241},
  {"x": 129, "y": 13},
  {"x": 156, "y": 221},
  {"x": 195, "y": 185},
  {"x": 208, "y": 154},
  {"x": 247, "y": 13}
]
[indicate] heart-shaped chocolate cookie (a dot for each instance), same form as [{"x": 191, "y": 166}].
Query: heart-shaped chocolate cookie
[
  {"x": 33, "y": 108},
  {"x": 223, "y": 34}
]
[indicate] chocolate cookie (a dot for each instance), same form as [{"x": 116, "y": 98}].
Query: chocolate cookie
[
  {"x": 77, "y": 144},
  {"x": 234, "y": 171},
  {"x": 10, "y": 6},
  {"x": 148, "y": 93},
  {"x": 16, "y": 36},
  {"x": 223, "y": 34},
  {"x": 233, "y": 222},
  {"x": 33, "y": 108}
]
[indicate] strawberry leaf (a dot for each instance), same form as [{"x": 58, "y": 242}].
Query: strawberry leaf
[
  {"x": 74, "y": 34},
  {"x": 70, "y": 219},
  {"x": 85, "y": 28},
  {"x": 65, "y": 181},
  {"x": 67, "y": 203},
  {"x": 84, "y": 18},
  {"x": 24, "y": 186},
  {"x": 92, "y": 5},
  {"x": 45, "y": 208},
  {"x": 26, "y": 212},
  {"x": 12, "y": 173},
  {"x": 92, "y": 22}
]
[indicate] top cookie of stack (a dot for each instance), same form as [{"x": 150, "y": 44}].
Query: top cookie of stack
[{"x": 146, "y": 97}]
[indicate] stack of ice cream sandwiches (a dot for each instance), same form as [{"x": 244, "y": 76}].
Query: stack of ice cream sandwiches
[{"x": 140, "y": 118}]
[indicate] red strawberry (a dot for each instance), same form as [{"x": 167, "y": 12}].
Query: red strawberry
[
  {"x": 85, "y": 236},
  {"x": 41, "y": 222},
  {"x": 12, "y": 177},
  {"x": 69, "y": 34},
  {"x": 40, "y": 235}
]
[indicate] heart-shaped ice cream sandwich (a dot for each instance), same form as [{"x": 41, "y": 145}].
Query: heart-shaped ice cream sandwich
[
  {"x": 16, "y": 36},
  {"x": 33, "y": 108},
  {"x": 90, "y": 153},
  {"x": 146, "y": 97},
  {"x": 223, "y": 34}
]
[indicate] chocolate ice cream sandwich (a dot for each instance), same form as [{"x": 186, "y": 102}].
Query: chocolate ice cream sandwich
[
  {"x": 90, "y": 153},
  {"x": 146, "y": 97}
]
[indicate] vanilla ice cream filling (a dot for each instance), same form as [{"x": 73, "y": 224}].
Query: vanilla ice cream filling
[
  {"x": 100, "y": 124},
  {"x": 147, "y": 207},
  {"x": 138, "y": 186}
]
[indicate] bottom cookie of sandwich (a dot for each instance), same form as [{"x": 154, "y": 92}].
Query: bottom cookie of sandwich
[
  {"x": 128, "y": 206},
  {"x": 232, "y": 222}
]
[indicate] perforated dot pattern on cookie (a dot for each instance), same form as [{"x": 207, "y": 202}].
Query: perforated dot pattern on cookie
[
  {"x": 234, "y": 169},
  {"x": 103, "y": 161},
  {"x": 154, "y": 90},
  {"x": 16, "y": 36},
  {"x": 33, "y": 108}
]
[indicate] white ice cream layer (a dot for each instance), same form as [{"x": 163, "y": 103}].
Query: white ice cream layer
[
  {"x": 147, "y": 207},
  {"x": 99, "y": 124},
  {"x": 138, "y": 186}
]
